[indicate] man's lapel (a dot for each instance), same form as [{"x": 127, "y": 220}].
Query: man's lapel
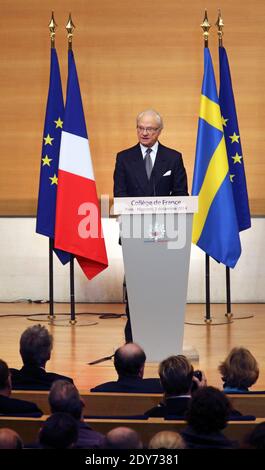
[{"x": 160, "y": 166}]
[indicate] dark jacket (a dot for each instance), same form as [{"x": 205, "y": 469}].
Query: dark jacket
[
  {"x": 34, "y": 378},
  {"x": 89, "y": 439},
  {"x": 14, "y": 407},
  {"x": 130, "y": 385},
  {"x": 215, "y": 440},
  {"x": 130, "y": 179},
  {"x": 172, "y": 407}
]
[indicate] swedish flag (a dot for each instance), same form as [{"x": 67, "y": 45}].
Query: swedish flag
[{"x": 215, "y": 226}]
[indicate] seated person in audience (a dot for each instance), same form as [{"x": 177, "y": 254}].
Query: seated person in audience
[
  {"x": 177, "y": 377},
  {"x": 129, "y": 362},
  {"x": 64, "y": 397},
  {"x": 239, "y": 371},
  {"x": 59, "y": 431},
  {"x": 123, "y": 438},
  {"x": 167, "y": 440},
  {"x": 35, "y": 349},
  {"x": 207, "y": 416},
  {"x": 255, "y": 439},
  {"x": 12, "y": 406},
  {"x": 9, "y": 439}
]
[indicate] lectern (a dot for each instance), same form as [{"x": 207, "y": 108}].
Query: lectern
[{"x": 156, "y": 241}]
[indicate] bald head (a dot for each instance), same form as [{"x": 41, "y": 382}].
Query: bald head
[
  {"x": 9, "y": 439},
  {"x": 129, "y": 360},
  {"x": 123, "y": 438}
]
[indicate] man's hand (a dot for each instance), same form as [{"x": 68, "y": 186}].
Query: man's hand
[{"x": 200, "y": 383}]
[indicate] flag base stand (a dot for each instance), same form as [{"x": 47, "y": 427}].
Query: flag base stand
[
  {"x": 210, "y": 322},
  {"x": 72, "y": 323},
  {"x": 48, "y": 318},
  {"x": 62, "y": 321},
  {"x": 243, "y": 316},
  {"x": 230, "y": 315},
  {"x": 208, "y": 319}
]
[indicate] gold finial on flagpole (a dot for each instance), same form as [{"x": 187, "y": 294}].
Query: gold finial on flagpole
[
  {"x": 205, "y": 26},
  {"x": 70, "y": 29},
  {"x": 52, "y": 27},
  {"x": 220, "y": 24}
]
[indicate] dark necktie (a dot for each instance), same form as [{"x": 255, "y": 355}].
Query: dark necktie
[{"x": 148, "y": 162}]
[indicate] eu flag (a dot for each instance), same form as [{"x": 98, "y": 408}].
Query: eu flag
[
  {"x": 50, "y": 157},
  {"x": 233, "y": 143},
  {"x": 215, "y": 227}
]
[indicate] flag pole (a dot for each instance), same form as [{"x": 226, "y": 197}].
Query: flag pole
[
  {"x": 70, "y": 29},
  {"x": 206, "y": 27},
  {"x": 52, "y": 27},
  {"x": 72, "y": 322},
  {"x": 51, "y": 316},
  {"x": 229, "y": 314},
  {"x": 220, "y": 24},
  {"x": 208, "y": 320}
]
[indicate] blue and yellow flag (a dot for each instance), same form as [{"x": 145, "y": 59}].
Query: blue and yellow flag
[
  {"x": 233, "y": 143},
  {"x": 215, "y": 227},
  {"x": 50, "y": 157}
]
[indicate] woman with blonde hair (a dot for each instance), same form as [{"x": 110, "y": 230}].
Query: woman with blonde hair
[
  {"x": 167, "y": 440},
  {"x": 239, "y": 371}
]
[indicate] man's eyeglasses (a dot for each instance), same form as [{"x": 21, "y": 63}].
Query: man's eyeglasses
[{"x": 148, "y": 130}]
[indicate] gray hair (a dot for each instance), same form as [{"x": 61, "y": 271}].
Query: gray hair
[
  {"x": 36, "y": 345},
  {"x": 153, "y": 113}
]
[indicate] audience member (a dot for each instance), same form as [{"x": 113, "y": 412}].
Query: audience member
[
  {"x": 129, "y": 362},
  {"x": 35, "y": 348},
  {"x": 9, "y": 439},
  {"x": 255, "y": 439},
  {"x": 64, "y": 397},
  {"x": 167, "y": 440},
  {"x": 60, "y": 431},
  {"x": 123, "y": 438},
  {"x": 12, "y": 406},
  {"x": 207, "y": 416},
  {"x": 239, "y": 371},
  {"x": 177, "y": 376}
]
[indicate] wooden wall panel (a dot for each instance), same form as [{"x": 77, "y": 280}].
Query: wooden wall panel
[{"x": 130, "y": 56}]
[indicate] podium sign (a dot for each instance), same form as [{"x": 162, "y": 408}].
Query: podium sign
[{"x": 156, "y": 242}]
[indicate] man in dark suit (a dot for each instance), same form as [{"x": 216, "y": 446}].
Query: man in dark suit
[
  {"x": 35, "y": 348},
  {"x": 149, "y": 169},
  {"x": 177, "y": 377},
  {"x": 12, "y": 406},
  {"x": 129, "y": 362}
]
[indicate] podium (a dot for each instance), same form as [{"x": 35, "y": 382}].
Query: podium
[{"x": 156, "y": 242}]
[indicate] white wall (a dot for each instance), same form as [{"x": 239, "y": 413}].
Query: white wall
[{"x": 24, "y": 268}]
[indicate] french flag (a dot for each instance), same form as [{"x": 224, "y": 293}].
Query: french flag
[{"x": 78, "y": 221}]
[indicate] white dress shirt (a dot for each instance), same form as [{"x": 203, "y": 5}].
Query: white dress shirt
[{"x": 152, "y": 154}]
